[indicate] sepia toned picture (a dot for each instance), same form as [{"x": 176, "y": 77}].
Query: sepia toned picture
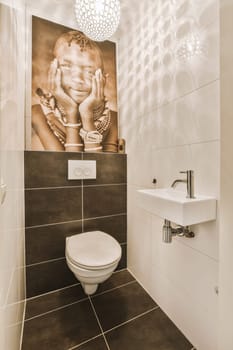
[{"x": 74, "y": 93}]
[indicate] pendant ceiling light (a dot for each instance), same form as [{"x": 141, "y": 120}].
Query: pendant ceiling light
[{"x": 98, "y": 19}]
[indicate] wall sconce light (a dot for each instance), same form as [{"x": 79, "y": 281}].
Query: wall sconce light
[
  {"x": 98, "y": 19},
  {"x": 191, "y": 47}
]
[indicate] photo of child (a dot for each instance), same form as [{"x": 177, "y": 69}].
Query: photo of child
[{"x": 74, "y": 99}]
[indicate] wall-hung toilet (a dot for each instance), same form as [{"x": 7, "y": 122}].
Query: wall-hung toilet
[{"x": 92, "y": 257}]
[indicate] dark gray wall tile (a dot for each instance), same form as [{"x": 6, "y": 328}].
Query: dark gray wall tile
[
  {"x": 48, "y": 242},
  {"x": 43, "y": 278},
  {"x": 116, "y": 226},
  {"x": 123, "y": 262},
  {"x": 48, "y": 169},
  {"x": 104, "y": 200},
  {"x": 110, "y": 168},
  {"x": 49, "y": 206}
]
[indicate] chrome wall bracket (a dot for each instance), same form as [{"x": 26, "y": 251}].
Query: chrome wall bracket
[{"x": 181, "y": 231}]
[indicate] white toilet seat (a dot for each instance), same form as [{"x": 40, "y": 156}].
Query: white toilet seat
[
  {"x": 93, "y": 250},
  {"x": 85, "y": 267}
]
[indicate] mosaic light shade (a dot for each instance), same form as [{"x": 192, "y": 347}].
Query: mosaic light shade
[{"x": 98, "y": 19}]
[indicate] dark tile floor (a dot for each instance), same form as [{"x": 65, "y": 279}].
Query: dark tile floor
[{"x": 120, "y": 316}]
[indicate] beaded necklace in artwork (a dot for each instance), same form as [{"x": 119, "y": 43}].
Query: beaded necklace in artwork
[{"x": 49, "y": 104}]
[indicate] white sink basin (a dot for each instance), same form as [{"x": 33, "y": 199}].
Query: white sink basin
[{"x": 175, "y": 207}]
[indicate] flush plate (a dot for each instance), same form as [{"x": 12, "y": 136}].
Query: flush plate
[
  {"x": 175, "y": 207},
  {"x": 81, "y": 169}
]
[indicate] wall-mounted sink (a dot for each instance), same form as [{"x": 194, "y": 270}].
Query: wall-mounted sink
[{"x": 175, "y": 207}]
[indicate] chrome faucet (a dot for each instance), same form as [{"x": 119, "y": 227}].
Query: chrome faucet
[{"x": 189, "y": 181}]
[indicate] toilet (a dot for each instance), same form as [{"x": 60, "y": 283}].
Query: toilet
[{"x": 92, "y": 257}]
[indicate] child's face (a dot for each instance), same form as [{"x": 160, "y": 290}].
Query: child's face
[{"x": 77, "y": 68}]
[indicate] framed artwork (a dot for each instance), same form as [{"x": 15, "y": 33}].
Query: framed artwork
[{"x": 74, "y": 90}]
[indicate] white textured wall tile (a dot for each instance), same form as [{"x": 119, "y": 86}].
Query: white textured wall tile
[
  {"x": 200, "y": 328},
  {"x": 12, "y": 90},
  {"x": 206, "y": 239},
  {"x": 225, "y": 236},
  {"x": 206, "y": 165},
  {"x": 13, "y": 336},
  {"x": 16, "y": 288},
  {"x": 199, "y": 114},
  {"x": 167, "y": 164},
  {"x": 139, "y": 240},
  {"x": 169, "y": 115},
  {"x": 193, "y": 268}
]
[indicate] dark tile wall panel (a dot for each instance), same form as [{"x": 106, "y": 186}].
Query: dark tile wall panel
[
  {"x": 48, "y": 206},
  {"x": 116, "y": 226},
  {"x": 104, "y": 200},
  {"x": 48, "y": 242},
  {"x": 49, "y": 169},
  {"x": 123, "y": 262},
  {"x": 110, "y": 168},
  {"x": 56, "y": 208},
  {"x": 45, "y": 277}
]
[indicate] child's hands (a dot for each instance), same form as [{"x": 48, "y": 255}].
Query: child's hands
[
  {"x": 54, "y": 82},
  {"x": 56, "y": 127},
  {"x": 96, "y": 97}
]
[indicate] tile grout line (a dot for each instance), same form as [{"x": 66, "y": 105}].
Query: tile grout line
[
  {"x": 161, "y": 148},
  {"x": 177, "y": 98},
  {"x": 97, "y": 318},
  {"x": 82, "y": 207},
  {"x": 111, "y": 289},
  {"x": 74, "y": 187},
  {"x": 180, "y": 241},
  {"x": 52, "y": 291},
  {"x": 132, "y": 319},
  {"x": 82, "y": 199},
  {"x": 76, "y": 302},
  {"x": 84, "y": 342},
  {"x": 46, "y": 261},
  {"x": 56, "y": 309},
  {"x": 60, "y": 289},
  {"x": 58, "y": 259},
  {"x": 70, "y": 221}
]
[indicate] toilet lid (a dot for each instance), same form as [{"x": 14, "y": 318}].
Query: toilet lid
[{"x": 93, "y": 249}]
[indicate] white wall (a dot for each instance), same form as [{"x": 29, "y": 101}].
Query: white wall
[
  {"x": 12, "y": 279},
  {"x": 168, "y": 59},
  {"x": 226, "y": 237}
]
